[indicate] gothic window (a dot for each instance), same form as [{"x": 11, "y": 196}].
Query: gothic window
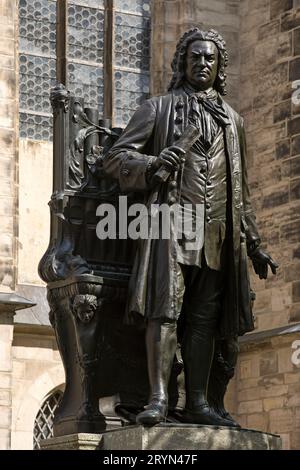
[
  {"x": 37, "y": 34},
  {"x": 43, "y": 424},
  {"x": 66, "y": 40}
]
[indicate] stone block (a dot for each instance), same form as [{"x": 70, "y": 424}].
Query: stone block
[
  {"x": 282, "y": 111},
  {"x": 271, "y": 28},
  {"x": 295, "y": 441},
  {"x": 7, "y": 140},
  {"x": 294, "y": 70},
  {"x": 7, "y": 62},
  {"x": 285, "y": 438},
  {"x": 268, "y": 363},
  {"x": 168, "y": 437},
  {"x": 281, "y": 420},
  {"x": 276, "y": 198},
  {"x": 285, "y": 360},
  {"x": 291, "y": 377},
  {"x": 5, "y": 416},
  {"x": 246, "y": 383},
  {"x": 257, "y": 421},
  {"x": 290, "y": 234},
  {"x": 248, "y": 407},
  {"x": 283, "y": 149},
  {"x": 274, "y": 391},
  {"x": 295, "y": 313},
  {"x": 273, "y": 403},
  {"x": 290, "y": 20},
  {"x": 295, "y": 148},
  {"x": 279, "y": 6},
  {"x": 249, "y": 394},
  {"x": 296, "y": 33},
  {"x": 7, "y": 47},
  {"x": 296, "y": 291},
  {"x": 295, "y": 195},
  {"x": 5, "y": 397},
  {"x": 294, "y": 126},
  {"x": 4, "y": 439},
  {"x": 285, "y": 45}
]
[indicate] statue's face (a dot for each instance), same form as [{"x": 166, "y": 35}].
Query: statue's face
[{"x": 201, "y": 64}]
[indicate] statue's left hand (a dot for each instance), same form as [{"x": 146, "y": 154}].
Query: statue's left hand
[{"x": 261, "y": 260}]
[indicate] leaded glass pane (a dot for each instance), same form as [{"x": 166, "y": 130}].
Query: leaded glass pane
[
  {"x": 142, "y": 7},
  {"x": 37, "y": 33},
  {"x": 85, "y": 51},
  {"x": 43, "y": 425},
  {"x": 132, "y": 57}
]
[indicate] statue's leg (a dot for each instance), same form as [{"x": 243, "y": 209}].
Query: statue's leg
[
  {"x": 202, "y": 312},
  {"x": 222, "y": 371},
  {"x": 161, "y": 342}
]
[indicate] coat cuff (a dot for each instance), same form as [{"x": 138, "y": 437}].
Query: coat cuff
[{"x": 134, "y": 172}]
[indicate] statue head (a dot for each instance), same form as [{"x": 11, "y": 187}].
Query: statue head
[{"x": 186, "y": 67}]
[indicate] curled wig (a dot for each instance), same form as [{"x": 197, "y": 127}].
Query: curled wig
[{"x": 178, "y": 63}]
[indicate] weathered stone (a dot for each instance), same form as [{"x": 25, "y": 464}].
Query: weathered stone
[
  {"x": 268, "y": 363},
  {"x": 282, "y": 110},
  {"x": 248, "y": 407},
  {"x": 294, "y": 69},
  {"x": 295, "y": 148},
  {"x": 290, "y": 20},
  {"x": 291, "y": 167},
  {"x": 273, "y": 403},
  {"x": 81, "y": 441},
  {"x": 296, "y": 33},
  {"x": 294, "y": 126},
  {"x": 279, "y": 6},
  {"x": 257, "y": 421},
  {"x": 290, "y": 232},
  {"x": 295, "y": 191},
  {"x": 285, "y": 45},
  {"x": 283, "y": 149},
  {"x": 268, "y": 29},
  {"x": 281, "y": 420},
  {"x": 295, "y": 313},
  {"x": 296, "y": 291},
  {"x": 276, "y": 198},
  {"x": 167, "y": 437}
]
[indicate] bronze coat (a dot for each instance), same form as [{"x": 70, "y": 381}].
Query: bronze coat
[{"x": 154, "y": 286}]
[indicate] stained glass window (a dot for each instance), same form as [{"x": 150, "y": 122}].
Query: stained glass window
[
  {"x": 85, "y": 38},
  {"x": 37, "y": 68},
  {"x": 85, "y": 32},
  {"x": 132, "y": 57}
]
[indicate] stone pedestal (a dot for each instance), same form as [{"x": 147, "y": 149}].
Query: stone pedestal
[{"x": 168, "y": 437}]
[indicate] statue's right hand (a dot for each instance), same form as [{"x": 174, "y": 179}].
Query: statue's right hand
[{"x": 170, "y": 158}]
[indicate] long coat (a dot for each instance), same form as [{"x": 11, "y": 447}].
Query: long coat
[{"x": 154, "y": 286}]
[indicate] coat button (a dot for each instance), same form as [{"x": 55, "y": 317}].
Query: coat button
[
  {"x": 125, "y": 172},
  {"x": 178, "y": 120},
  {"x": 208, "y": 205},
  {"x": 173, "y": 184},
  {"x": 172, "y": 200},
  {"x": 208, "y": 220},
  {"x": 177, "y": 134},
  {"x": 208, "y": 182},
  {"x": 179, "y": 105}
]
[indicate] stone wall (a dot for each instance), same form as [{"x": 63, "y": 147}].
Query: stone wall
[
  {"x": 36, "y": 371},
  {"x": 270, "y": 63},
  {"x": 8, "y": 143},
  {"x": 267, "y": 388}
]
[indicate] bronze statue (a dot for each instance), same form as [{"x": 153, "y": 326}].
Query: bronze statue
[{"x": 203, "y": 291}]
